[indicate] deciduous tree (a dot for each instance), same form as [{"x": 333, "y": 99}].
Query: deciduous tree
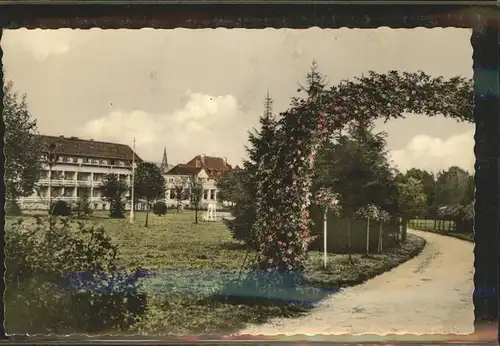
[
  {"x": 412, "y": 201},
  {"x": 149, "y": 184},
  {"x": 114, "y": 191},
  {"x": 179, "y": 195},
  {"x": 22, "y": 146},
  {"x": 196, "y": 194}
]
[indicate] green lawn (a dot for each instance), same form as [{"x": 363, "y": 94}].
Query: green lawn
[
  {"x": 196, "y": 261},
  {"x": 428, "y": 226}
]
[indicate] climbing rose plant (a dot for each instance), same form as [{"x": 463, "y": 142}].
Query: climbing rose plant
[{"x": 284, "y": 187}]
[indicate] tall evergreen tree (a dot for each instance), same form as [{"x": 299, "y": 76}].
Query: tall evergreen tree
[{"x": 260, "y": 154}]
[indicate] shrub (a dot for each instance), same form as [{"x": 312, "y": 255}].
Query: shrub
[
  {"x": 12, "y": 209},
  {"x": 117, "y": 210},
  {"x": 60, "y": 208},
  {"x": 82, "y": 207},
  {"x": 62, "y": 277},
  {"x": 160, "y": 208}
]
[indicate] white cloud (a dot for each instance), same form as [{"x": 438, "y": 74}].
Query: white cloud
[
  {"x": 206, "y": 124},
  {"x": 40, "y": 43},
  {"x": 435, "y": 154}
]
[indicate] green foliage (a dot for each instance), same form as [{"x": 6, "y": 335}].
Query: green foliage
[
  {"x": 412, "y": 199},
  {"x": 179, "y": 195},
  {"x": 241, "y": 185},
  {"x": 237, "y": 187},
  {"x": 12, "y": 209},
  {"x": 49, "y": 264},
  {"x": 159, "y": 208},
  {"x": 82, "y": 207},
  {"x": 429, "y": 183},
  {"x": 114, "y": 191},
  {"x": 355, "y": 165},
  {"x": 60, "y": 208},
  {"x": 454, "y": 186},
  {"x": 284, "y": 182},
  {"x": 149, "y": 184},
  {"x": 195, "y": 195},
  {"x": 22, "y": 147}
]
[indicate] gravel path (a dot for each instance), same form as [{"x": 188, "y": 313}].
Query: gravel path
[{"x": 431, "y": 293}]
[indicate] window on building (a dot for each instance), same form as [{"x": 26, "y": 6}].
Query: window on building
[
  {"x": 95, "y": 162},
  {"x": 79, "y": 160},
  {"x": 121, "y": 163},
  {"x": 212, "y": 194},
  {"x": 104, "y": 162},
  {"x": 205, "y": 194},
  {"x": 60, "y": 159}
]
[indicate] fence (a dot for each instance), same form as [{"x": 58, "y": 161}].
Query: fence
[
  {"x": 338, "y": 235},
  {"x": 433, "y": 225}
]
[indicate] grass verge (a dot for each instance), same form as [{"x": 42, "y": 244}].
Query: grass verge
[
  {"x": 191, "y": 263},
  {"x": 463, "y": 236}
]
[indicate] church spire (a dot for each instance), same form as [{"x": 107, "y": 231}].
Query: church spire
[{"x": 164, "y": 161}]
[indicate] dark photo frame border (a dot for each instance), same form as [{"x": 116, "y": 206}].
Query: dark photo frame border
[{"x": 484, "y": 20}]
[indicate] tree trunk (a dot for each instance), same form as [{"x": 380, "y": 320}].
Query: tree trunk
[
  {"x": 368, "y": 236},
  {"x": 147, "y": 214},
  {"x": 349, "y": 240},
  {"x": 404, "y": 226},
  {"x": 434, "y": 227},
  {"x": 196, "y": 215},
  {"x": 380, "y": 237}
]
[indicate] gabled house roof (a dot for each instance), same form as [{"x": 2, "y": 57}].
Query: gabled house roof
[
  {"x": 182, "y": 169},
  {"x": 211, "y": 163},
  {"x": 74, "y": 146}
]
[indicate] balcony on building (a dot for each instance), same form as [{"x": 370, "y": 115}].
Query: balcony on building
[{"x": 83, "y": 178}]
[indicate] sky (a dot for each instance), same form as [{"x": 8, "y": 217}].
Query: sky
[{"x": 201, "y": 91}]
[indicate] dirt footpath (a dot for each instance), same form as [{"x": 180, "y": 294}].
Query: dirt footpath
[{"x": 431, "y": 293}]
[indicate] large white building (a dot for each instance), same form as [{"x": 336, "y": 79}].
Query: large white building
[{"x": 80, "y": 167}]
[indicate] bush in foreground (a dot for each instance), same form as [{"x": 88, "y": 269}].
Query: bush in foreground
[
  {"x": 160, "y": 208},
  {"x": 12, "y": 209},
  {"x": 82, "y": 207},
  {"x": 62, "y": 277},
  {"x": 60, "y": 208}
]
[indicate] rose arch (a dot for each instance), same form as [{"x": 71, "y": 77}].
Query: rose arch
[{"x": 284, "y": 188}]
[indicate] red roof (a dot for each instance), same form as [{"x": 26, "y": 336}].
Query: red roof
[
  {"x": 74, "y": 146},
  {"x": 182, "y": 169},
  {"x": 210, "y": 163}
]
